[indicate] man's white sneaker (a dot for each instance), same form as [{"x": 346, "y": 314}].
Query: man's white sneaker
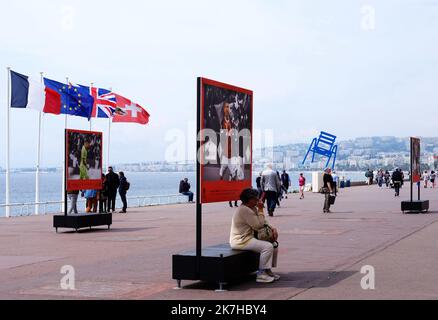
[
  {"x": 264, "y": 278},
  {"x": 273, "y": 275}
]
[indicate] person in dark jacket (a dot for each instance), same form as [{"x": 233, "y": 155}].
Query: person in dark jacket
[
  {"x": 259, "y": 185},
  {"x": 113, "y": 182},
  {"x": 397, "y": 180},
  {"x": 184, "y": 188},
  {"x": 103, "y": 196},
  {"x": 285, "y": 182},
  {"x": 123, "y": 189},
  {"x": 327, "y": 189}
]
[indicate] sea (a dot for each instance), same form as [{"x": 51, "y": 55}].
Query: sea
[{"x": 143, "y": 184}]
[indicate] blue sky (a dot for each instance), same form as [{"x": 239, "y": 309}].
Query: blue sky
[{"x": 311, "y": 64}]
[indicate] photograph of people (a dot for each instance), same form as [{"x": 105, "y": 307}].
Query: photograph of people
[
  {"x": 416, "y": 170},
  {"x": 84, "y": 156},
  {"x": 83, "y": 168},
  {"x": 227, "y": 113}
]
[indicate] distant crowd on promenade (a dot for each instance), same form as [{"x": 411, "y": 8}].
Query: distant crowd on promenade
[
  {"x": 104, "y": 199},
  {"x": 272, "y": 187},
  {"x": 396, "y": 179}
]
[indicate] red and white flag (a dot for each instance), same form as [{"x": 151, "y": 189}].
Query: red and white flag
[{"x": 128, "y": 111}]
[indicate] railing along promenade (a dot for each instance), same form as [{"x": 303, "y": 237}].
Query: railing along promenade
[{"x": 48, "y": 207}]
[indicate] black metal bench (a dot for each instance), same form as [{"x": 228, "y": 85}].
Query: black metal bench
[
  {"x": 219, "y": 264},
  {"x": 80, "y": 221}
]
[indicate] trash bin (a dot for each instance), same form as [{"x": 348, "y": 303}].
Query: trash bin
[
  {"x": 348, "y": 184},
  {"x": 342, "y": 184}
]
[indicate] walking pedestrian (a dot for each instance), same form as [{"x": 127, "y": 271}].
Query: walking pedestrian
[
  {"x": 271, "y": 185},
  {"x": 432, "y": 179},
  {"x": 302, "y": 184},
  {"x": 285, "y": 182},
  {"x": 370, "y": 175},
  {"x": 113, "y": 182},
  {"x": 397, "y": 181},
  {"x": 426, "y": 178},
  {"x": 279, "y": 191},
  {"x": 123, "y": 189},
  {"x": 387, "y": 178},
  {"x": 380, "y": 178}
]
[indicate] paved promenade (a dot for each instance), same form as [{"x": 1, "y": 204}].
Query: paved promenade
[{"x": 320, "y": 255}]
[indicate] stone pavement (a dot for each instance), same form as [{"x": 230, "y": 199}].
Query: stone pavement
[{"x": 320, "y": 255}]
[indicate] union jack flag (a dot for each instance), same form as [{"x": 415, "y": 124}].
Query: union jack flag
[{"x": 105, "y": 103}]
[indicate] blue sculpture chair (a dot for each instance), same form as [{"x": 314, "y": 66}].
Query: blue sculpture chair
[{"x": 324, "y": 146}]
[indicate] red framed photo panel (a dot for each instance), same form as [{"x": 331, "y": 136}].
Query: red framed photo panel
[
  {"x": 226, "y": 126},
  {"x": 83, "y": 160},
  {"x": 415, "y": 159}
]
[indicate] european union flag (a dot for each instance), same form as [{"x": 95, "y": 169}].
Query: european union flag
[{"x": 75, "y": 101}]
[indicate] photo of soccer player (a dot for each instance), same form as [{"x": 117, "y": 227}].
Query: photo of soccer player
[
  {"x": 228, "y": 114},
  {"x": 226, "y": 140},
  {"x": 84, "y": 159}
]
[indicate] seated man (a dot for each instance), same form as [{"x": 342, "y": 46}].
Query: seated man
[
  {"x": 248, "y": 219},
  {"x": 184, "y": 188}
]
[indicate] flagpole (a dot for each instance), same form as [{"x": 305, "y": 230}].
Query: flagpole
[
  {"x": 8, "y": 177},
  {"x": 37, "y": 174},
  {"x": 109, "y": 144},
  {"x": 109, "y": 140},
  {"x": 63, "y": 200},
  {"x": 91, "y": 118}
]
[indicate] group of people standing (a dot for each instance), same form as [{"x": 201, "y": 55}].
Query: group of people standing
[
  {"x": 429, "y": 178},
  {"x": 104, "y": 198}
]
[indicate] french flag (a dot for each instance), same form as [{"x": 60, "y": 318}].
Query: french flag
[{"x": 28, "y": 93}]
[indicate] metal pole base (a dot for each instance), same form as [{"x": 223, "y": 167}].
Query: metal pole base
[{"x": 221, "y": 288}]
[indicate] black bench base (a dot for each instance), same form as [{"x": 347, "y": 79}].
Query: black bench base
[
  {"x": 219, "y": 264},
  {"x": 415, "y": 206},
  {"x": 81, "y": 221}
]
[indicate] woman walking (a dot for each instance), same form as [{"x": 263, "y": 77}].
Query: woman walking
[{"x": 302, "y": 184}]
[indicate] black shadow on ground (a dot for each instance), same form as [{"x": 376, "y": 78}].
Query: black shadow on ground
[
  {"x": 299, "y": 280},
  {"x": 101, "y": 230}
]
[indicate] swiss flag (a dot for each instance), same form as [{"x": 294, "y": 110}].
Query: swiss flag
[{"x": 128, "y": 111}]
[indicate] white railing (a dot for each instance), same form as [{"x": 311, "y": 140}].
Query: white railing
[{"x": 28, "y": 209}]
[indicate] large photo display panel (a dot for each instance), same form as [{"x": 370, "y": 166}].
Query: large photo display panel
[
  {"x": 226, "y": 141},
  {"x": 83, "y": 160},
  {"x": 415, "y": 158}
]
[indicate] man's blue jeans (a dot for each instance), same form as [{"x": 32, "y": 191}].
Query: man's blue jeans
[
  {"x": 271, "y": 198},
  {"x": 190, "y": 195}
]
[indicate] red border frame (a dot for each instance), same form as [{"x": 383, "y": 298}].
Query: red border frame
[
  {"x": 221, "y": 191},
  {"x": 75, "y": 185},
  {"x": 415, "y": 178}
]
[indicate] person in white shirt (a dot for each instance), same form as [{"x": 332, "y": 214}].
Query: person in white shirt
[{"x": 426, "y": 178}]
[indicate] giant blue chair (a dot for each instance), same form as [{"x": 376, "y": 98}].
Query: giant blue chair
[{"x": 324, "y": 146}]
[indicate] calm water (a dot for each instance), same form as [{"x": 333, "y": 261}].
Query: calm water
[{"x": 142, "y": 184}]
